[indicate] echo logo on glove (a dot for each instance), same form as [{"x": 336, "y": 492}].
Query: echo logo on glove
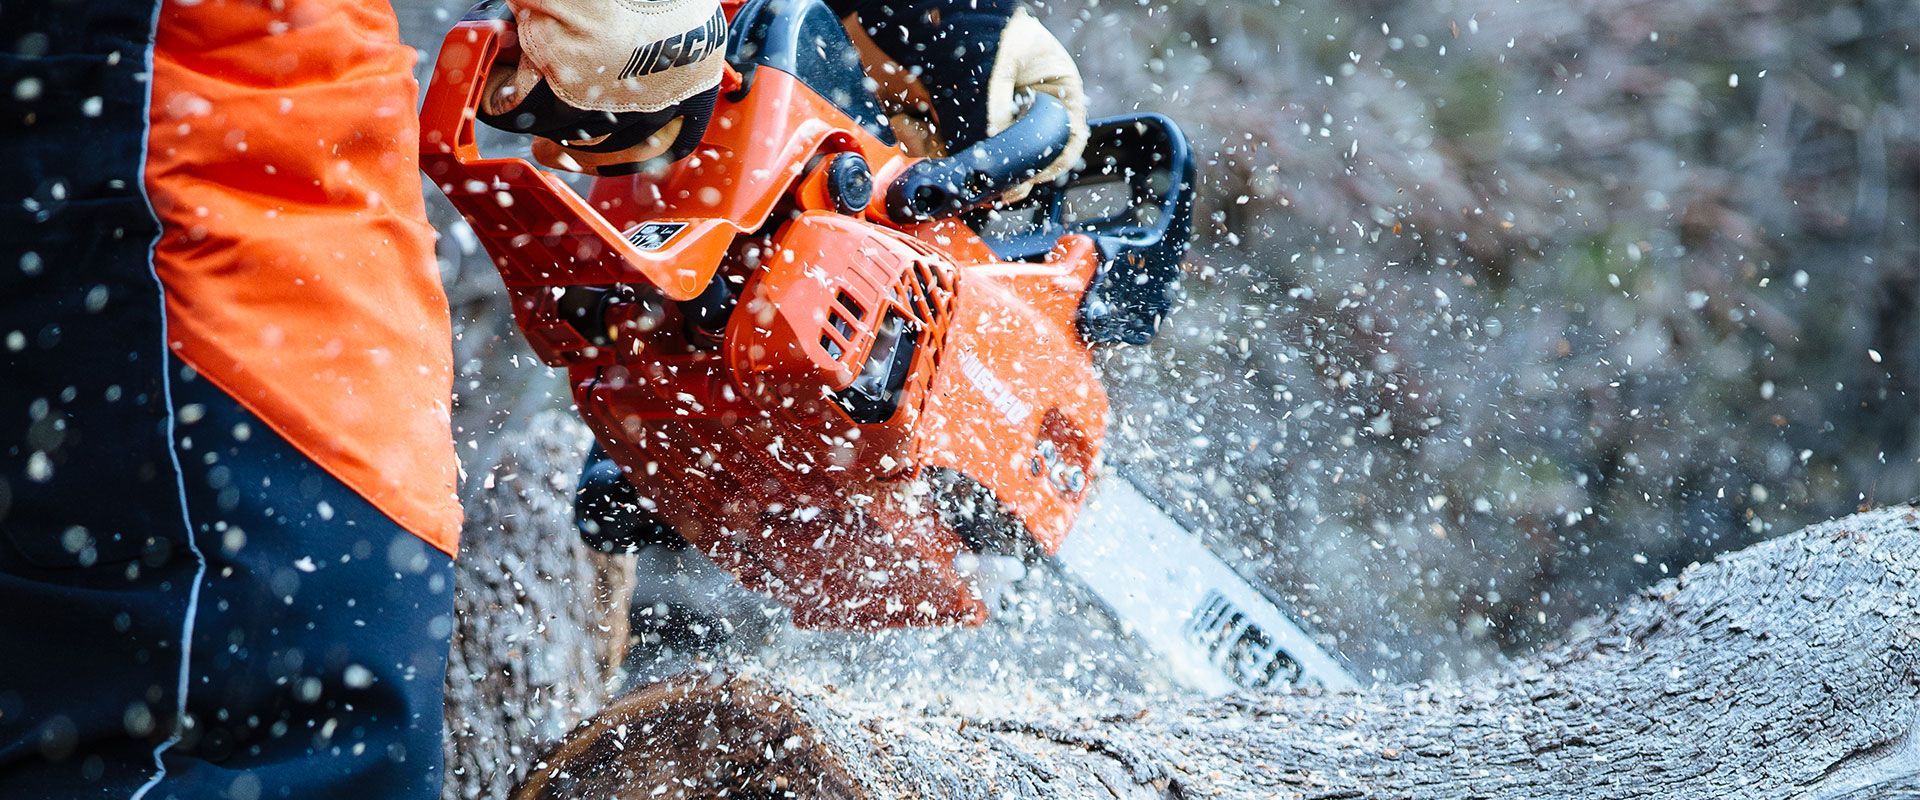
[{"x": 678, "y": 51}]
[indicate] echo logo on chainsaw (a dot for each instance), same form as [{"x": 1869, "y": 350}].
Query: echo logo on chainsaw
[
  {"x": 677, "y": 51},
  {"x": 1239, "y": 646},
  {"x": 998, "y": 393},
  {"x": 654, "y": 235}
]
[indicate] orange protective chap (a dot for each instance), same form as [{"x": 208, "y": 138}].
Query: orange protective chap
[{"x": 296, "y": 255}]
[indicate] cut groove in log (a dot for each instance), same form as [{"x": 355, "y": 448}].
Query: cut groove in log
[{"x": 1791, "y": 669}]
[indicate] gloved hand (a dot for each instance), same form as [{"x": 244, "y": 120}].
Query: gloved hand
[
  {"x": 970, "y": 63},
  {"x": 608, "y": 84}
]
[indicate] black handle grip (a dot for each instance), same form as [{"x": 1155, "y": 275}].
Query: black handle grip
[{"x": 943, "y": 187}]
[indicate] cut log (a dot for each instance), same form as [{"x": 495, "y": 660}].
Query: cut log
[
  {"x": 540, "y": 621},
  {"x": 1791, "y": 669}
]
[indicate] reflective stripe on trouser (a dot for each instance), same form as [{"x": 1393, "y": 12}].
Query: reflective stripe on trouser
[{"x": 141, "y": 509}]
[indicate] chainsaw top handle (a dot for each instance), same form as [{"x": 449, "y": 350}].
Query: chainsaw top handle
[{"x": 944, "y": 187}]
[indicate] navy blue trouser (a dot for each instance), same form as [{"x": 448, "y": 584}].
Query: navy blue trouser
[{"x": 189, "y": 607}]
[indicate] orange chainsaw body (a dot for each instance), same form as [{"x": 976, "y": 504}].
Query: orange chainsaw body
[{"x": 795, "y": 445}]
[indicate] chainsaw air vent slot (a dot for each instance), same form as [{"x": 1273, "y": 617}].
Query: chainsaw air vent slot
[
  {"x": 833, "y": 348},
  {"x": 851, "y": 305},
  {"x": 930, "y": 293},
  {"x": 841, "y": 324}
]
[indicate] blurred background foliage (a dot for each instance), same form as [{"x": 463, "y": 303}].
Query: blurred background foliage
[{"x": 1500, "y": 309}]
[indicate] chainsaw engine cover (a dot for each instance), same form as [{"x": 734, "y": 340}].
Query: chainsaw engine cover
[{"x": 793, "y": 432}]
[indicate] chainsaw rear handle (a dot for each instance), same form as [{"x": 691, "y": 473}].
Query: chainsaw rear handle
[{"x": 943, "y": 187}]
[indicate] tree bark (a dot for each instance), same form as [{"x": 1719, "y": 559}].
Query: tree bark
[
  {"x": 1790, "y": 669},
  {"x": 540, "y": 620}
]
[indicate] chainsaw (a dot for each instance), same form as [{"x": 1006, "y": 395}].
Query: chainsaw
[{"x": 844, "y": 372}]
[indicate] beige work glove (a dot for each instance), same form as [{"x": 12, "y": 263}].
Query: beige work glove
[
  {"x": 968, "y": 67},
  {"x": 609, "y": 84}
]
